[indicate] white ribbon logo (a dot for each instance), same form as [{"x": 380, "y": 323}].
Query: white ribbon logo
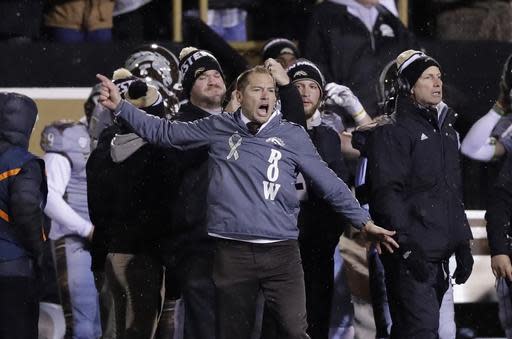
[{"x": 234, "y": 142}]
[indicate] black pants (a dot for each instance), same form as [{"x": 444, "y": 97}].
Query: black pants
[
  {"x": 414, "y": 305},
  {"x": 318, "y": 238},
  {"x": 317, "y": 245},
  {"x": 19, "y": 308},
  {"x": 241, "y": 270},
  {"x": 198, "y": 293}
]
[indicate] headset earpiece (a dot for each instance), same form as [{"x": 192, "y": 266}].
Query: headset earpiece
[{"x": 403, "y": 85}]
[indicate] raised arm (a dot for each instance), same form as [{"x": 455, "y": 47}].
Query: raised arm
[
  {"x": 182, "y": 135},
  {"x": 292, "y": 107}
]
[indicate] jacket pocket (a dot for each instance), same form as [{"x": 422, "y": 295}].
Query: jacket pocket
[{"x": 430, "y": 225}]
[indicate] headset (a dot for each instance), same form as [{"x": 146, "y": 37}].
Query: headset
[
  {"x": 506, "y": 78},
  {"x": 387, "y": 88},
  {"x": 402, "y": 85},
  {"x": 506, "y": 74}
]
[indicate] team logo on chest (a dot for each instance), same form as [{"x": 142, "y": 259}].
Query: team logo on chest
[
  {"x": 234, "y": 142},
  {"x": 276, "y": 141},
  {"x": 386, "y": 30}
]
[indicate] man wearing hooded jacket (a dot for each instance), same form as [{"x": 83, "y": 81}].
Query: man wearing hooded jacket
[
  {"x": 22, "y": 199},
  {"x": 414, "y": 177}
]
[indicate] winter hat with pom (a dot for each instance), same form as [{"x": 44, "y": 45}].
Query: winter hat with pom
[{"x": 193, "y": 63}]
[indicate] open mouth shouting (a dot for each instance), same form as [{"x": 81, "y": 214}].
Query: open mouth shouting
[{"x": 263, "y": 110}]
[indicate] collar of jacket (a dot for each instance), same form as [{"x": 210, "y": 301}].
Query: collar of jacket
[
  {"x": 266, "y": 127},
  {"x": 191, "y": 112},
  {"x": 315, "y": 120},
  {"x": 409, "y": 108}
]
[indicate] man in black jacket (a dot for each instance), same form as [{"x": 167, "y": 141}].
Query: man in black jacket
[
  {"x": 190, "y": 251},
  {"x": 22, "y": 200},
  {"x": 414, "y": 177},
  {"x": 138, "y": 179},
  {"x": 499, "y": 233},
  {"x": 351, "y": 41},
  {"x": 320, "y": 227}
]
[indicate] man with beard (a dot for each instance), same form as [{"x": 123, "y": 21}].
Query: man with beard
[{"x": 320, "y": 226}]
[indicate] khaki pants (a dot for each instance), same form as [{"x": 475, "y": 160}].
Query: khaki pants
[
  {"x": 355, "y": 256},
  {"x": 134, "y": 284},
  {"x": 88, "y": 15}
]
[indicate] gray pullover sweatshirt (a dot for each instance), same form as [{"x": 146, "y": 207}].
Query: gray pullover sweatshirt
[{"x": 251, "y": 192}]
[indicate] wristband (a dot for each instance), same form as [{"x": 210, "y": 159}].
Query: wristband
[{"x": 359, "y": 116}]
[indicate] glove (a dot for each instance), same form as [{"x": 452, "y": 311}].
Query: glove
[
  {"x": 415, "y": 260},
  {"x": 343, "y": 96},
  {"x": 464, "y": 261}
]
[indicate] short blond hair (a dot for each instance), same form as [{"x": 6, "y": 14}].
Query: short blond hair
[{"x": 243, "y": 79}]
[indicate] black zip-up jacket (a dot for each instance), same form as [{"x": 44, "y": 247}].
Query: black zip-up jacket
[
  {"x": 349, "y": 54},
  {"x": 499, "y": 211},
  {"x": 415, "y": 181},
  {"x": 129, "y": 201},
  {"x": 316, "y": 215}
]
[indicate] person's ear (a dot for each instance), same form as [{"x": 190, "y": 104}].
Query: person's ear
[{"x": 238, "y": 96}]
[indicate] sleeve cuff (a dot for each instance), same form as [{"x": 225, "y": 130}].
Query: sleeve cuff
[
  {"x": 498, "y": 109},
  {"x": 285, "y": 87},
  {"x": 360, "y": 225},
  {"x": 86, "y": 230},
  {"x": 119, "y": 108}
]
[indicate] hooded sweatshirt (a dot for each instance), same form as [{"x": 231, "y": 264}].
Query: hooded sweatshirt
[{"x": 27, "y": 190}]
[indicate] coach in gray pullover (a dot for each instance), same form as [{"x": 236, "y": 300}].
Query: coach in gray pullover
[{"x": 254, "y": 158}]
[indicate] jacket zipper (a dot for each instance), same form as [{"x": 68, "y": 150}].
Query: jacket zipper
[{"x": 443, "y": 155}]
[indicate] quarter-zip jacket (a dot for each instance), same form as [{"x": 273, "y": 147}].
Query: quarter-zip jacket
[
  {"x": 251, "y": 189},
  {"x": 414, "y": 177}
]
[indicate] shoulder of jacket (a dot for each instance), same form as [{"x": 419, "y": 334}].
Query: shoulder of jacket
[
  {"x": 395, "y": 129},
  {"x": 327, "y": 129},
  {"x": 291, "y": 125}
]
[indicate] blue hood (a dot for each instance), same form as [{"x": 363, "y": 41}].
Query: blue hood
[{"x": 18, "y": 115}]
